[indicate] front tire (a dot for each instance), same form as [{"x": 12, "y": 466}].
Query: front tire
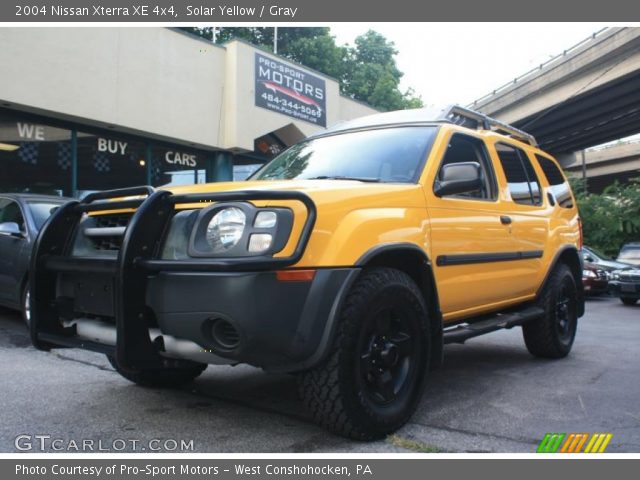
[
  {"x": 629, "y": 301},
  {"x": 170, "y": 377},
  {"x": 373, "y": 378},
  {"x": 552, "y": 335}
]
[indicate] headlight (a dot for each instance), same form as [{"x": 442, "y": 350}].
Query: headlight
[
  {"x": 237, "y": 229},
  {"x": 588, "y": 274},
  {"x": 225, "y": 229},
  {"x": 615, "y": 276}
]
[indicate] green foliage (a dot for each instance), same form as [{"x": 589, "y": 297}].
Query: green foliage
[
  {"x": 367, "y": 72},
  {"x": 612, "y": 218}
]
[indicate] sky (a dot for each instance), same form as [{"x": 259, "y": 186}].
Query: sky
[{"x": 460, "y": 62}]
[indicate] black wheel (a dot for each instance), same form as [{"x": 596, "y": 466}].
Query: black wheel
[
  {"x": 373, "y": 378},
  {"x": 164, "y": 378},
  {"x": 629, "y": 301},
  {"x": 26, "y": 304},
  {"x": 552, "y": 335}
]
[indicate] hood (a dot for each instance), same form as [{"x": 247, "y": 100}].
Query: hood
[{"x": 325, "y": 192}]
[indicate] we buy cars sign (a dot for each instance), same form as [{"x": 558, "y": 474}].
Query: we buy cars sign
[{"x": 289, "y": 90}]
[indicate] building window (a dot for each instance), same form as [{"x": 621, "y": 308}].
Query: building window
[
  {"x": 106, "y": 162},
  {"x": 34, "y": 157},
  {"x": 172, "y": 166}
]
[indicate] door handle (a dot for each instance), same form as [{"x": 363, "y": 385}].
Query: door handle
[{"x": 505, "y": 219}]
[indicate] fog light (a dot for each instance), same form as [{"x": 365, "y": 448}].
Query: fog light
[
  {"x": 265, "y": 220},
  {"x": 260, "y": 242}
]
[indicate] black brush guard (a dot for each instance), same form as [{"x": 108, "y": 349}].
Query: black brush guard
[{"x": 137, "y": 259}]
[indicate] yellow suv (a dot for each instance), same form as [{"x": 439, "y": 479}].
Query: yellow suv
[{"x": 350, "y": 260}]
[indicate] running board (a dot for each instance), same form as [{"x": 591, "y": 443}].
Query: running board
[{"x": 499, "y": 321}]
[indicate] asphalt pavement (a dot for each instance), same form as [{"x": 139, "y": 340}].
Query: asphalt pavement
[{"x": 490, "y": 396}]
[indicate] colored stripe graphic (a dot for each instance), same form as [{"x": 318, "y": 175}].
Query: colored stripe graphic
[
  {"x": 573, "y": 442},
  {"x": 550, "y": 443}
]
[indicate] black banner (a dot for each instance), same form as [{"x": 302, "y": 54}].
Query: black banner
[
  {"x": 258, "y": 11},
  {"x": 289, "y": 90}
]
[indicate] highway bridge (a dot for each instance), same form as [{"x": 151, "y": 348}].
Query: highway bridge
[{"x": 585, "y": 96}]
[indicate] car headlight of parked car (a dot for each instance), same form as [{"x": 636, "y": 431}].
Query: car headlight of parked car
[
  {"x": 228, "y": 230},
  {"x": 588, "y": 274},
  {"x": 615, "y": 276}
]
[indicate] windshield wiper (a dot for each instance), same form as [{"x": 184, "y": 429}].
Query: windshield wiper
[{"x": 342, "y": 177}]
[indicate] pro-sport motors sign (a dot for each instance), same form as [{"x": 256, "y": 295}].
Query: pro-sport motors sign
[{"x": 290, "y": 91}]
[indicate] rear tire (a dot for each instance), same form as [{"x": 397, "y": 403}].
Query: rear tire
[
  {"x": 169, "y": 377},
  {"x": 629, "y": 301},
  {"x": 373, "y": 378},
  {"x": 552, "y": 335}
]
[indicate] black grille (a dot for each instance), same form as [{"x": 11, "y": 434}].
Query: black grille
[{"x": 110, "y": 242}]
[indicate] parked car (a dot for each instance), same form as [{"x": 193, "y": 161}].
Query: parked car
[
  {"x": 630, "y": 254},
  {"x": 591, "y": 255},
  {"x": 594, "y": 279},
  {"x": 625, "y": 284},
  {"x": 349, "y": 260},
  {"x": 21, "y": 217}
]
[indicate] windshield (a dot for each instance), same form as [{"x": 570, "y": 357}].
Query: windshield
[
  {"x": 382, "y": 155},
  {"x": 630, "y": 253},
  {"x": 598, "y": 254},
  {"x": 41, "y": 211}
]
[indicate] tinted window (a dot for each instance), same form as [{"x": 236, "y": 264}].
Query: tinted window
[
  {"x": 10, "y": 212},
  {"x": 463, "y": 148},
  {"x": 387, "y": 155},
  {"x": 523, "y": 183},
  {"x": 557, "y": 183},
  {"x": 41, "y": 211}
]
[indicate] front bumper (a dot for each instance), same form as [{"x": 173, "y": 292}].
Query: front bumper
[
  {"x": 237, "y": 309},
  {"x": 624, "y": 289}
]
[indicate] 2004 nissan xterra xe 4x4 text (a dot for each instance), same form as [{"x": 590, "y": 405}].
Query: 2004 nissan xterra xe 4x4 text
[{"x": 349, "y": 260}]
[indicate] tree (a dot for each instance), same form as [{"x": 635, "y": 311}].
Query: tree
[
  {"x": 366, "y": 72},
  {"x": 612, "y": 218}
]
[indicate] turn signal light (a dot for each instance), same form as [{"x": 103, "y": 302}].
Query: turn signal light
[{"x": 295, "y": 275}]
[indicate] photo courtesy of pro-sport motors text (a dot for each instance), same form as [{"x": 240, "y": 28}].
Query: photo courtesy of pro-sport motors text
[{"x": 299, "y": 239}]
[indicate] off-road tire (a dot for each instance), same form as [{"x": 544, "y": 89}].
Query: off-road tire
[
  {"x": 549, "y": 337},
  {"x": 629, "y": 301},
  {"x": 337, "y": 392},
  {"x": 160, "y": 378}
]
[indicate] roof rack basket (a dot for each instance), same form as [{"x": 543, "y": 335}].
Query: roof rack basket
[{"x": 470, "y": 118}]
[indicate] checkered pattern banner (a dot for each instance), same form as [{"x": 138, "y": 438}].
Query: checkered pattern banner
[
  {"x": 28, "y": 152},
  {"x": 101, "y": 162},
  {"x": 64, "y": 155}
]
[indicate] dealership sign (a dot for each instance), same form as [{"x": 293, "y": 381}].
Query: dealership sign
[{"x": 290, "y": 91}]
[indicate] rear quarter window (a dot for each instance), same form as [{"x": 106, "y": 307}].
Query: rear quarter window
[{"x": 558, "y": 185}]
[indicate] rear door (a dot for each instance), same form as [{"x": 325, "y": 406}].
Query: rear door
[
  {"x": 529, "y": 214},
  {"x": 469, "y": 236}
]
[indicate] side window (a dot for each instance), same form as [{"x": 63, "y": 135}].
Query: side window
[
  {"x": 10, "y": 212},
  {"x": 464, "y": 148},
  {"x": 558, "y": 184},
  {"x": 524, "y": 186}
]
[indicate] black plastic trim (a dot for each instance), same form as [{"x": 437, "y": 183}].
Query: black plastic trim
[{"x": 471, "y": 258}]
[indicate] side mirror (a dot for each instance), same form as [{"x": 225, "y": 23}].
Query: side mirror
[
  {"x": 10, "y": 229},
  {"x": 590, "y": 259},
  {"x": 457, "y": 178}
]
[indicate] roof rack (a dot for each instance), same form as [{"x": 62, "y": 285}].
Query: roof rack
[{"x": 470, "y": 118}]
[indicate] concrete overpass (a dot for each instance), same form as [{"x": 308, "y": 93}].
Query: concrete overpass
[
  {"x": 602, "y": 166},
  {"x": 586, "y": 96}
]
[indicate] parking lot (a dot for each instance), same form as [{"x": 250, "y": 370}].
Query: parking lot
[{"x": 491, "y": 396}]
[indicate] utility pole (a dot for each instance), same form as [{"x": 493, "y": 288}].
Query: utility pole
[
  {"x": 584, "y": 168},
  {"x": 275, "y": 40}
]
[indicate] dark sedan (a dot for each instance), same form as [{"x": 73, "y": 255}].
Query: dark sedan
[
  {"x": 594, "y": 279},
  {"x": 21, "y": 217},
  {"x": 626, "y": 285}
]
